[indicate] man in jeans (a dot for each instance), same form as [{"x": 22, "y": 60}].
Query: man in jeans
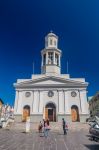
[{"x": 64, "y": 126}]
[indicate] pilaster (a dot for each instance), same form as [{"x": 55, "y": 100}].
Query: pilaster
[
  {"x": 36, "y": 101},
  {"x": 61, "y": 102},
  {"x": 84, "y": 105},
  {"x": 16, "y": 101},
  {"x": 41, "y": 102},
  {"x": 46, "y": 58},
  {"x": 67, "y": 110}
]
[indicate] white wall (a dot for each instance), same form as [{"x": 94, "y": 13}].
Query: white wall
[
  {"x": 74, "y": 101},
  {"x": 84, "y": 104},
  {"x": 53, "y": 99},
  {"x": 62, "y": 99}
]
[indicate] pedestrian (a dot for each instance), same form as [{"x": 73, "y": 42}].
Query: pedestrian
[
  {"x": 64, "y": 126},
  {"x": 40, "y": 127},
  {"x": 47, "y": 122},
  {"x": 27, "y": 124},
  {"x": 46, "y": 129},
  {"x": 44, "y": 122}
]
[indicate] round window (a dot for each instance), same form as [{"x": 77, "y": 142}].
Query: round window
[
  {"x": 27, "y": 94},
  {"x": 50, "y": 93},
  {"x": 73, "y": 94}
]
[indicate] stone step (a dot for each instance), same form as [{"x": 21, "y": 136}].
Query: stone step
[{"x": 53, "y": 126}]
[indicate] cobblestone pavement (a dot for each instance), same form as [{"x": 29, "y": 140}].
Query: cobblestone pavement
[{"x": 19, "y": 140}]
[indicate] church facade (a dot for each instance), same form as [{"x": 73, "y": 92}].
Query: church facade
[{"x": 51, "y": 94}]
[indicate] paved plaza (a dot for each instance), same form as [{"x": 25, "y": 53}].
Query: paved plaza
[{"x": 17, "y": 139}]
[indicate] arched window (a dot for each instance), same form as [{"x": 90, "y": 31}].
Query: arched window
[
  {"x": 50, "y": 57},
  {"x": 51, "y": 41}
]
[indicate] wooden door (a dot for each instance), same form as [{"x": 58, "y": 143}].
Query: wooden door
[
  {"x": 50, "y": 114},
  {"x": 46, "y": 113},
  {"x": 25, "y": 114},
  {"x": 74, "y": 115}
]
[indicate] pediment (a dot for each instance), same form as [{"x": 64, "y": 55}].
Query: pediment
[{"x": 50, "y": 81}]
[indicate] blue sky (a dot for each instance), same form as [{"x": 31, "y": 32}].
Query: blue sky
[{"x": 25, "y": 23}]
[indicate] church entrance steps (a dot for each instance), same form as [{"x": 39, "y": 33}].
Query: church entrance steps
[{"x": 55, "y": 126}]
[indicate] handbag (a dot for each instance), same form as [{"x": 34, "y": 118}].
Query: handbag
[
  {"x": 48, "y": 127},
  {"x": 66, "y": 127}
]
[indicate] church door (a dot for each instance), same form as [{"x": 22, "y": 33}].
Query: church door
[
  {"x": 50, "y": 112},
  {"x": 74, "y": 113},
  {"x": 46, "y": 113},
  {"x": 26, "y": 113}
]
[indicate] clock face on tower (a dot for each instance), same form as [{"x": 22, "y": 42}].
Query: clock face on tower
[{"x": 50, "y": 93}]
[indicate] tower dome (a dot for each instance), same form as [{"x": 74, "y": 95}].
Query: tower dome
[
  {"x": 51, "y": 34},
  {"x": 51, "y": 55},
  {"x": 51, "y": 40}
]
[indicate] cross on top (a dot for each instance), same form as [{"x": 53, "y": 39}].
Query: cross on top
[{"x": 51, "y": 31}]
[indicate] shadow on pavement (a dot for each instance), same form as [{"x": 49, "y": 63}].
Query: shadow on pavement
[
  {"x": 92, "y": 147},
  {"x": 60, "y": 134},
  {"x": 23, "y": 132},
  {"x": 88, "y": 135},
  {"x": 91, "y": 138}
]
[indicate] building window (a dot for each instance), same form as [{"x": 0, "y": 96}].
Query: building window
[
  {"x": 51, "y": 42},
  {"x": 50, "y": 93},
  {"x": 73, "y": 94},
  {"x": 27, "y": 94},
  {"x": 50, "y": 57}
]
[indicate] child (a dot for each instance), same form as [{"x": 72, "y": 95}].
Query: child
[{"x": 40, "y": 127}]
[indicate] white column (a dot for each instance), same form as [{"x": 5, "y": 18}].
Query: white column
[
  {"x": 36, "y": 101},
  {"x": 41, "y": 102},
  {"x": 46, "y": 57},
  {"x": 67, "y": 110},
  {"x": 84, "y": 104},
  {"x": 59, "y": 61},
  {"x": 61, "y": 102},
  {"x": 54, "y": 57},
  {"x": 32, "y": 101},
  {"x": 42, "y": 59},
  {"x": 19, "y": 103},
  {"x": 43, "y": 112},
  {"x": 16, "y": 101}
]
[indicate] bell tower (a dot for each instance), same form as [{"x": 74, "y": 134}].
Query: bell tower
[{"x": 51, "y": 55}]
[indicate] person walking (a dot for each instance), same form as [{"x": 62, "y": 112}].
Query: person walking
[
  {"x": 40, "y": 127},
  {"x": 64, "y": 126},
  {"x": 28, "y": 124},
  {"x": 46, "y": 130}
]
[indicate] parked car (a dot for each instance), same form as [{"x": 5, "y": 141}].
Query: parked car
[
  {"x": 90, "y": 119},
  {"x": 94, "y": 131}
]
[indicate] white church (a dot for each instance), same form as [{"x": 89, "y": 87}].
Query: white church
[{"x": 51, "y": 94}]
